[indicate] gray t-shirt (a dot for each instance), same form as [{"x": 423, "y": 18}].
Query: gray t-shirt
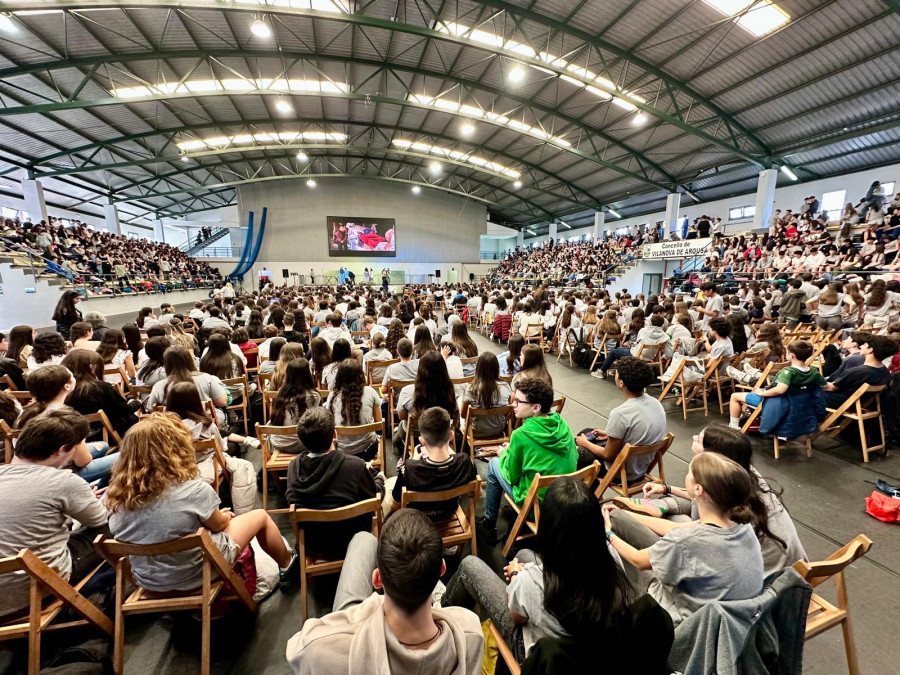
[
  {"x": 209, "y": 387},
  {"x": 695, "y": 565},
  {"x": 357, "y": 444},
  {"x": 723, "y": 349},
  {"x": 489, "y": 425},
  {"x": 37, "y": 506},
  {"x": 638, "y": 421},
  {"x": 526, "y": 598},
  {"x": 775, "y": 556},
  {"x": 401, "y": 372},
  {"x": 713, "y": 304},
  {"x": 178, "y": 512}
]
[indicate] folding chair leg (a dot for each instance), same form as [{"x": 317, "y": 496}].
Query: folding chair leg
[
  {"x": 862, "y": 439},
  {"x": 265, "y": 486},
  {"x": 777, "y": 448},
  {"x": 205, "y": 611},
  {"x": 119, "y": 633},
  {"x": 304, "y": 590},
  {"x": 34, "y": 629},
  {"x": 809, "y": 446},
  {"x": 850, "y": 646}
]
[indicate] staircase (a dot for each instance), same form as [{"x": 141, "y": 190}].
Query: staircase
[
  {"x": 33, "y": 266},
  {"x": 193, "y": 249}
]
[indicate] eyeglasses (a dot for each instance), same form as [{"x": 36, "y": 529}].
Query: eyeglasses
[{"x": 517, "y": 401}]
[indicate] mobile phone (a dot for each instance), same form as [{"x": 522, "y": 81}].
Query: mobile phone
[
  {"x": 591, "y": 437},
  {"x": 95, "y": 483}
]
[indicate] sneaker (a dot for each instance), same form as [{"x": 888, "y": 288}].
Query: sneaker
[
  {"x": 251, "y": 443},
  {"x": 599, "y": 374},
  {"x": 287, "y": 575},
  {"x": 486, "y": 531}
]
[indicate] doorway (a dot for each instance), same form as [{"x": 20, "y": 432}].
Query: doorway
[{"x": 652, "y": 284}]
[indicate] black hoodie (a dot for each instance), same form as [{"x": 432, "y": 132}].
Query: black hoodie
[{"x": 329, "y": 481}]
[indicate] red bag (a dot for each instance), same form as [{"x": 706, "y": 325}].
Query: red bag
[
  {"x": 245, "y": 566},
  {"x": 886, "y": 509}
]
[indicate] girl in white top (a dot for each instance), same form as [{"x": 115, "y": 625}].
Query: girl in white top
[{"x": 114, "y": 351}]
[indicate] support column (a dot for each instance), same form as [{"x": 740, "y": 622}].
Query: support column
[
  {"x": 673, "y": 202},
  {"x": 599, "y": 223},
  {"x": 552, "y": 232},
  {"x": 765, "y": 198},
  {"x": 520, "y": 238},
  {"x": 159, "y": 232},
  {"x": 33, "y": 194},
  {"x": 112, "y": 219}
]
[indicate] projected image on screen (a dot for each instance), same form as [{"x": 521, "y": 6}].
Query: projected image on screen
[{"x": 361, "y": 236}]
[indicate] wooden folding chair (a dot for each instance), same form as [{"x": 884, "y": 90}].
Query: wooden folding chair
[
  {"x": 274, "y": 461},
  {"x": 123, "y": 384},
  {"x": 140, "y": 392},
  {"x": 532, "y": 504},
  {"x": 864, "y": 404},
  {"x": 690, "y": 391},
  {"x": 469, "y": 361},
  {"x": 822, "y": 615},
  {"x": 227, "y": 586},
  {"x": 558, "y": 405},
  {"x": 618, "y": 468},
  {"x": 374, "y": 427},
  {"x": 566, "y": 347},
  {"x": 7, "y": 384},
  {"x": 756, "y": 411},
  {"x": 375, "y": 371},
  {"x": 244, "y": 404},
  {"x": 264, "y": 380},
  {"x": 509, "y": 659},
  {"x": 313, "y": 564},
  {"x": 458, "y": 528},
  {"x": 205, "y": 445},
  {"x": 393, "y": 391},
  {"x": 268, "y": 399},
  {"x": 252, "y": 356},
  {"x": 45, "y": 581},
  {"x": 9, "y": 437},
  {"x": 110, "y": 435},
  {"x": 482, "y": 441}
]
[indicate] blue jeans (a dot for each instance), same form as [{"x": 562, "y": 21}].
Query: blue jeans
[
  {"x": 496, "y": 486},
  {"x": 613, "y": 356},
  {"x": 101, "y": 465}
]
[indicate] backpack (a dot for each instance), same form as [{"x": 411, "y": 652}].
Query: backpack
[{"x": 582, "y": 354}]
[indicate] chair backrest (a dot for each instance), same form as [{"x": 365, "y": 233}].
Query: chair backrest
[
  {"x": 375, "y": 371},
  {"x": 252, "y": 356},
  {"x": 816, "y": 573},
  {"x": 618, "y": 467},
  {"x": 205, "y": 445},
  {"x": 264, "y": 379},
  {"x": 299, "y": 517},
  {"x": 9, "y": 436},
  {"x": 587, "y": 475},
  {"x": 471, "y": 488},
  {"x": 558, "y": 405},
  {"x": 468, "y": 360},
  {"x": 110, "y": 435},
  {"x": 263, "y": 431},
  {"x": 650, "y": 353},
  {"x": 7, "y": 383},
  {"x": 462, "y": 380},
  {"x": 244, "y": 384}
]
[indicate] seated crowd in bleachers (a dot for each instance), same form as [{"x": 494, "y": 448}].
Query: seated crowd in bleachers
[
  {"x": 138, "y": 434},
  {"x": 102, "y": 261}
]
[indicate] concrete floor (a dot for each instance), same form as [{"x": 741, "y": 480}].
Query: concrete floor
[{"x": 825, "y": 496}]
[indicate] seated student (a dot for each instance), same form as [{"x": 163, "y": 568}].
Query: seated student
[
  {"x": 648, "y": 335},
  {"x": 874, "y": 349},
  {"x": 377, "y": 351},
  {"x": 267, "y": 365},
  {"x": 834, "y": 365},
  {"x": 289, "y": 352},
  {"x": 270, "y": 333},
  {"x": 353, "y": 403},
  {"x": 38, "y": 483},
  {"x": 511, "y": 360},
  {"x": 666, "y": 506},
  {"x": 534, "y": 365},
  {"x": 405, "y": 370},
  {"x": 114, "y": 351},
  {"x": 434, "y": 467},
  {"x": 553, "y": 597},
  {"x": 222, "y": 363},
  {"x": 797, "y": 374},
  {"x": 11, "y": 368},
  {"x": 398, "y": 632},
  {"x": 291, "y": 335},
  {"x": 543, "y": 444},
  {"x": 465, "y": 346},
  {"x": 296, "y": 395},
  {"x": 152, "y": 369},
  {"x": 50, "y": 386},
  {"x": 718, "y": 342},
  {"x": 487, "y": 390},
  {"x": 640, "y": 420},
  {"x": 323, "y": 477},
  {"x": 340, "y": 350},
  {"x": 726, "y": 561},
  {"x": 180, "y": 367},
  {"x": 432, "y": 387},
  {"x": 335, "y": 330},
  {"x": 91, "y": 394},
  {"x": 156, "y": 495},
  {"x": 49, "y": 350},
  {"x": 82, "y": 336},
  {"x": 184, "y": 400}
]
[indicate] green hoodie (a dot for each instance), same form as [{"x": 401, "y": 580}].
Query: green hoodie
[{"x": 543, "y": 445}]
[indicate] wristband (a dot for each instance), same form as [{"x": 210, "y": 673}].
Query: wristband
[
  {"x": 609, "y": 533},
  {"x": 668, "y": 489}
]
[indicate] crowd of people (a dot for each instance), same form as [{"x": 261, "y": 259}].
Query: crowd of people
[
  {"x": 169, "y": 379},
  {"x": 105, "y": 263}
]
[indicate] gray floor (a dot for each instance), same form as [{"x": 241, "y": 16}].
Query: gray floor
[{"x": 825, "y": 496}]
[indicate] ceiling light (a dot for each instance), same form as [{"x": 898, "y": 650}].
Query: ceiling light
[
  {"x": 302, "y": 156},
  {"x": 7, "y": 25},
  {"x": 416, "y": 189},
  {"x": 786, "y": 170},
  {"x": 185, "y": 158},
  {"x": 516, "y": 75},
  {"x": 476, "y": 160},
  {"x": 639, "y": 119},
  {"x": 311, "y": 183},
  {"x": 434, "y": 167},
  {"x": 693, "y": 197},
  {"x": 517, "y": 184},
  {"x": 615, "y": 213},
  {"x": 467, "y": 129},
  {"x": 846, "y": 129},
  {"x": 263, "y": 137},
  {"x": 283, "y": 106},
  {"x": 236, "y": 85},
  {"x": 261, "y": 29}
]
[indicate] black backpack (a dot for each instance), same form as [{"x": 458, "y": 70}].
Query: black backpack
[{"x": 582, "y": 354}]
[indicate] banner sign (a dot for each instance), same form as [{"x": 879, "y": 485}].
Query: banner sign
[{"x": 688, "y": 248}]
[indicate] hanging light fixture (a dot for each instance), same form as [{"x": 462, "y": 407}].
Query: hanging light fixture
[{"x": 261, "y": 29}]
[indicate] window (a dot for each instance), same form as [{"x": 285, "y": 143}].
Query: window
[
  {"x": 8, "y": 212},
  {"x": 888, "y": 190},
  {"x": 755, "y": 16},
  {"x": 833, "y": 203},
  {"x": 741, "y": 212}
]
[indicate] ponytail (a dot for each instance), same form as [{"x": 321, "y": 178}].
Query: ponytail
[{"x": 754, "y": 512}]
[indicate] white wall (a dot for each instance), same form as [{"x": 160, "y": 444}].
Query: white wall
[{"x": 786, "y": 197}]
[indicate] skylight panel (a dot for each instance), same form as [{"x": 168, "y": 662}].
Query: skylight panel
[{"x": 762, "y": 17}]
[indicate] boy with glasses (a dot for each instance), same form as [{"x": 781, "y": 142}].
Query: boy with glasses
[{"x": 543, "y": 444}]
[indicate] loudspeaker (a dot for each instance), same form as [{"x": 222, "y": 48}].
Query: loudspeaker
[
  {"x": 437, "y": 273},
  {"x": 285, "y": 273},
  {"x": 471, "y": 277}
]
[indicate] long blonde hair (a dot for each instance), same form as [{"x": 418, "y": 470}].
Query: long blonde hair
[
  {"x": 608, "y": 324},
  {"x": 155, "y": 453},
  {"x": 291, "y": 351}
]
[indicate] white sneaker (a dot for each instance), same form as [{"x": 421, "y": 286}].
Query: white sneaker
[{"x": 251, "y": 442}]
